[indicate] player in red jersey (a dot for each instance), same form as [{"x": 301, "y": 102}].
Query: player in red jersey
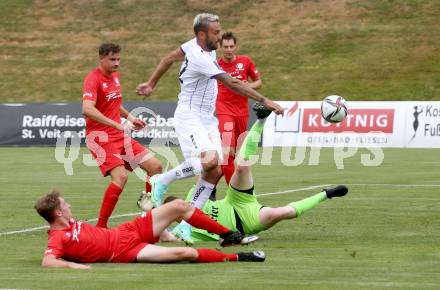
[
  {"x": 114, "y": 151},
  {"x": 71, "y": 242},
  {"x": 232, "y": 108}
]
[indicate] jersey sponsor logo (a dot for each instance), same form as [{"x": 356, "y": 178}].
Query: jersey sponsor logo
[
  {"x": 240, "y": 66},
  {"x": 214, "y": 213},
  {"x": 235, "y": 74},
  {"x": 104, "y": 86},
  {"x": 117, "y": 82},
  {"x": 77, "y": 231},
  {"x": 113, "y": 95}
]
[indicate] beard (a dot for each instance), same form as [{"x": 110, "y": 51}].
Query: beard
[{"x": 211, "y": 45}]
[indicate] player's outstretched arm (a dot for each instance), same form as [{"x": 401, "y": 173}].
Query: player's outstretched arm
[
  {"x": 52, "y": 261},
  {"x": 244, "y": 89},
  {"x": 145, "y": 89}
]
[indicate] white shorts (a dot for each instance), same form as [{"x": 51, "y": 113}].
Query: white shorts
[{"x": 196, "y": 132}]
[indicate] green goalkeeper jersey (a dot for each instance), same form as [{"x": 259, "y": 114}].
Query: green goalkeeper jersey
[
  {"x": 220, "y": 211},
  {"x": 224, "y": 211}
]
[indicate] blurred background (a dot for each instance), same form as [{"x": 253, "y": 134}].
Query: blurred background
[{"x": 305, "y": 50}]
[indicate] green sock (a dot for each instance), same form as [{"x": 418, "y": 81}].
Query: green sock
[
  {"x": 306, "y": 204},
  {"x": 250, "y": 143}
]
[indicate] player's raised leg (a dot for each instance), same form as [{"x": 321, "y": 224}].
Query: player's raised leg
[
  {"x": 242, "y": 177},
  {"x": 270, "y": 216}
]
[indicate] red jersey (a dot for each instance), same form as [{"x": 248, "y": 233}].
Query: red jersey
[
  {"x": 229, "y": 102},
  {"x": 107, "y": 93},
  {"x": 85, "y": 243},
  {"x": 82, "y": 242}
]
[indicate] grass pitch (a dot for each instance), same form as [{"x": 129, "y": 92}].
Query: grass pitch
[{"x": 382, "y": 235}]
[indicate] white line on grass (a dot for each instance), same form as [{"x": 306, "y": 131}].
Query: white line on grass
[
  {"x": 294, "y": 190},
  {"x": 262, "y": 194},
  {"x": 46, "y": 227}
]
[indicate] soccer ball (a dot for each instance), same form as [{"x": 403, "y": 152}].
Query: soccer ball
[{"x": 334, "y": 109}]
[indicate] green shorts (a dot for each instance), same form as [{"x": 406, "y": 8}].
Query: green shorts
[{"x": 248, "y": 209}]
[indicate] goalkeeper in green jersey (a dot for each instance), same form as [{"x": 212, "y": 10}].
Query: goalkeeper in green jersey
[{"x": 240, "y": 209}]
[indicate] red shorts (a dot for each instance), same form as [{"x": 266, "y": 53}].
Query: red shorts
[
  {"x": 232, "y": 129},
  {"x": 109, "y": 154},
  {"x": 133, "y": 237}
]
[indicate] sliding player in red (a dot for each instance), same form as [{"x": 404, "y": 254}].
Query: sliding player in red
[{"x": 72, "y": 242}]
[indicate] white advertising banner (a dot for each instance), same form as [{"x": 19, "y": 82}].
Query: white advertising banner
[{"x": 368, "y": 124}]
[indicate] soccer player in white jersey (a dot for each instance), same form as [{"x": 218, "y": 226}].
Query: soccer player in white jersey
[{"x": 195, "y": 124}]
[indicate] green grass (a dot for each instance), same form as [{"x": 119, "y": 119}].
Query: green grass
[
  {"x": 305, "y": 50},
  {"x": 378, "y": 237}
]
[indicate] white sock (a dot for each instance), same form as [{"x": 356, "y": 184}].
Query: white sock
[
  {"x": 188, "y": 168},
  {"x": 201, "y": 193}
]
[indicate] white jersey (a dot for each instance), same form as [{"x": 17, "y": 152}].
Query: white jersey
[{"x": 198, "y": 87}]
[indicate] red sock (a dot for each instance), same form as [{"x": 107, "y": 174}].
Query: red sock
[
  {"x": 228, "y": 169},
  {"x": 212, "y": 256},
  {"x": 202, "y": 221},
  {"x": 109, "y": 201}
]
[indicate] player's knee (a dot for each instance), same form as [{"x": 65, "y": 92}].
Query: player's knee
[
  {"x": 217, "y": 171},
  {"x": 152, "y": 166},
  {"x": 155, "y": 167},
  {"x": 210, "y": 161},
  {"x": 120, "y": 178},
  {"x": 187, "y": 254},
  {"x": 180, "y": 207},
  {"x": 242, "y": 169}
]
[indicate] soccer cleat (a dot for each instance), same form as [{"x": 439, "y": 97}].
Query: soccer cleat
[
  {"x": 255, "y": 256},
  {"x": 158, "y": 190},
  {"x": 261, "y": 110},
  {"x": 183, "y": 232},
  {"x": 144, "y": 202},
  {"x": 339, "y": 190},
  {"x": 236, "y": 238}
]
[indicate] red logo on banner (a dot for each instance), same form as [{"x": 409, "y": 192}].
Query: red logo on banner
[{"x": 358, "y": 120}]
